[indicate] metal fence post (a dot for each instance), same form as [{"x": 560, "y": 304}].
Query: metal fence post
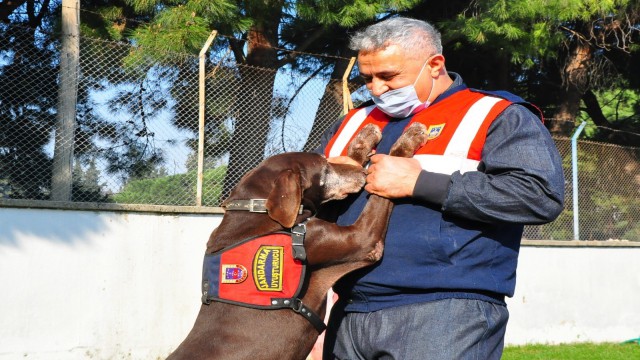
[
  {"x": 574, "y": 170},
  {"x": 201, "y": 108},
  {"x": 62, "y": 167}
]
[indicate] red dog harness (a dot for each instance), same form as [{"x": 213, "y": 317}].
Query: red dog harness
[{"x": 265, "y": 272}]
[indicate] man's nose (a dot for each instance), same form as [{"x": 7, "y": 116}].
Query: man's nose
[{"x": 378, "y": 87}]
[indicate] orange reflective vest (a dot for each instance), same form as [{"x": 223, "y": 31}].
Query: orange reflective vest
[{"x": 457, "y": 128}]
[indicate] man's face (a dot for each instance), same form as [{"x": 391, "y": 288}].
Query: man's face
[{"x": 391, "y": 69}]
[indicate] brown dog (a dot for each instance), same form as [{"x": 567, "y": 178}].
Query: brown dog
[{"x": 294, "y": 185}]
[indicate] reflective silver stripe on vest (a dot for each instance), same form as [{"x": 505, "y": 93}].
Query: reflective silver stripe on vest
[
  {"x": 446, "y": 164},
  {"x": 468, "y": 129},
  {"x": 349, "y": 130},
  {"x": 455, "y": 155}
]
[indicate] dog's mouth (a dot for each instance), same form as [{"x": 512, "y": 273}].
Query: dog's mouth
[{"x": 338, "y": 197}]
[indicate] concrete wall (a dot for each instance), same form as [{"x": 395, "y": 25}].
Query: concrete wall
[
  {"x": 98, "y": 285},
  {"x": 576, "y": 294},
  {"x": 122, "y": 285}
]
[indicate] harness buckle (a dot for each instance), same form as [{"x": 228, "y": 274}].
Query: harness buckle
[
  {"x": 205, "y": 293},
  {"x": 300, "y": 229},
  {"x": 257, "y": 205},
  {"x": 298, "y": 233},
  {"x": 296, "y": 305}
]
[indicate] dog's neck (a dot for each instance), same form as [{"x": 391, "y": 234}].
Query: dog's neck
[{"x": 227, "y": 235}]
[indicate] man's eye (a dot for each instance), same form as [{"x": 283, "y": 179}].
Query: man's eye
[{"x": 366, "y": 79}]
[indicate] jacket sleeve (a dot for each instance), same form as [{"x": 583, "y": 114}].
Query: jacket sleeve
[{"x": 519, "y": 179}]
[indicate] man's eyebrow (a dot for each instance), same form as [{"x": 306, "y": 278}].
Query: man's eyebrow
[
  {"x": 385, "y": 74},
  {"x": 388, "y": 73}
]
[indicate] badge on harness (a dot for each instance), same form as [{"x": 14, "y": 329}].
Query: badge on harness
[
  {"x": 233, "y": 274},
  {"x": 267, "y": 268},
  {"x": 254, "y": 272}
]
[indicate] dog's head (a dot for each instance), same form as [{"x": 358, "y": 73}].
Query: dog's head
[{"x": 291, "y": 179}]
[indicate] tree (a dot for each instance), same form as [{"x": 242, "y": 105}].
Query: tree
[
  {"x": 29, "y": 43},
  {"x": 258, "y": 27},
  {"x": 570, "y": 57},
  {"x": 560, "y": 53},
  {"x": 27, "y": 107},
  {"x": 86, "y": 183},
  {"x": 176, "y": 189}
]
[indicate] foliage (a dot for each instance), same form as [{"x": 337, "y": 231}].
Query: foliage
[
  {"x": 529, "y": 30},
  {"x": 27, "y": 109},
  {"x": 86, "y": 184},
  {"x": 614, "y": 214},
  {"x": 348, "y": 14},
  {"x": 558, "y": 54},
  {"x": 520, "y": 46},
  {"x": 620, "y": 106},
  {"x": 176, "y": 190}
]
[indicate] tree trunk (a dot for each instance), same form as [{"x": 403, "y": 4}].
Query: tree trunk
[
  {"x": 593, "y": 109},
  {"x": 566, "y": 113},
  {"x": 330, "y": 107},
  {"x": 576, "y": 82},
  {"x": 61, "y": 180},
  {"x": 254, "y": 113}
]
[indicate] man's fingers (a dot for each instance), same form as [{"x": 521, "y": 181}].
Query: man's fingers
[{"x": 342, "y": 160}]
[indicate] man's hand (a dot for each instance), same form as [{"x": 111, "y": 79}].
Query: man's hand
[{"x": 392, "y": 177}]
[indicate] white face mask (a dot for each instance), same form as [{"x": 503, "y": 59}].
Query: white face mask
[{"x": 402, "y": 102}]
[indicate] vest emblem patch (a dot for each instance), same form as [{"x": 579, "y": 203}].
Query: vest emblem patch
[
  {"x": 233, "y": 274},
  {"x": 434, "y": 131},
  {"x": 267, "y": 268}
]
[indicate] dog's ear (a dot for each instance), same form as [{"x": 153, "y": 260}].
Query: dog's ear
[{"x": 284, "y": 200}]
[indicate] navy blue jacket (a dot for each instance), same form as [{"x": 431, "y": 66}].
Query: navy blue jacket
[{"x": 459, "y": 235}]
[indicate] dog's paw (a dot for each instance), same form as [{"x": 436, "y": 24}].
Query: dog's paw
[
  {"x": 412, "y": 139},
  {"x": 363, "y": 143},
  {"x": 376, "y": 254}
]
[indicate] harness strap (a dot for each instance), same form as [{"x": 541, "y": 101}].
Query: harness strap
[
  {"x": 297, "y": 241},
  {"x": 297, "y": 306}
]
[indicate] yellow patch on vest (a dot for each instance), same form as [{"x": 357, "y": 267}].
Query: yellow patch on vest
[
  {"x": 267, "y": 268},
  {"x": 434, "y": 131}
]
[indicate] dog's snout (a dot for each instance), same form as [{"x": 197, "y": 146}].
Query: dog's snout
[{"x": 342, "y": 180}]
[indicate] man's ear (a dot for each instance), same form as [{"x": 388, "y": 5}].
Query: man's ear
[
  {"x": 284, "y": 199},
  {"x": 436, "y": 65}
]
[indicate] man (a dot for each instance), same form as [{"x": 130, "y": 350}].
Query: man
[{"x": 488, "y": 168}]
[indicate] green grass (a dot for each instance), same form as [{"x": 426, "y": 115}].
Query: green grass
[{"x": 586, "y": 351}]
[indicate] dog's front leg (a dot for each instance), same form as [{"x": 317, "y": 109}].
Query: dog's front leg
[{"x": 361, "y": 243}]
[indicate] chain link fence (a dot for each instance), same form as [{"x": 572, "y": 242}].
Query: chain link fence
[
  {"x": 137, "y": 120},
  {"x": 137, "y": 130},
  {"x": 608, "y": 194}
]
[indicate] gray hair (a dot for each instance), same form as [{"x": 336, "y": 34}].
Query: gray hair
[{"x": 414, "y": 36}]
